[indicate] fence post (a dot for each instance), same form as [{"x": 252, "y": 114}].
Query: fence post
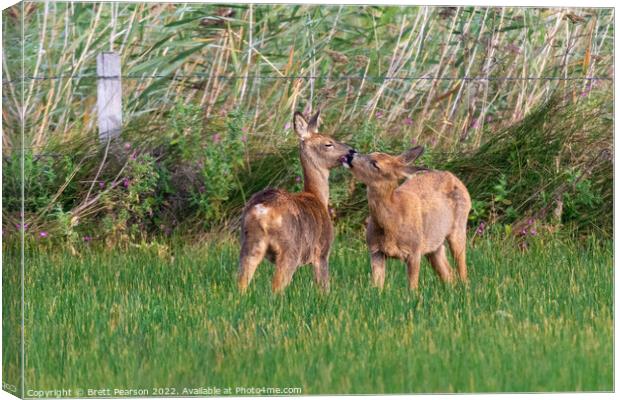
[{"x": 109, "y": 93}]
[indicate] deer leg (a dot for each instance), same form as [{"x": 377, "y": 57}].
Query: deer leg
[
  {"x": 377, "y": 265},
  {"x": 252, "y": 254},
  {"x": 440, "y": 264},
  {"x": 413, "y": 270},
  {"x": 321, "y": 273},
  {"x": 457, "y": 242},
  {"x": 285, "y": 268}
]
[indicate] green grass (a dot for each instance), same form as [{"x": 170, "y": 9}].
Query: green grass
[{"x": 539, "y": 320}]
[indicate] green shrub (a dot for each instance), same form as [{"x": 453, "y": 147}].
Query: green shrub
[
  {"x": 221, "y": 162},
  {"x": 196, "y": 176},
  {"x": 131, "y": 205}
]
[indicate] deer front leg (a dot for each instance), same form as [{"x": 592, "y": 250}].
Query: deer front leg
[
  {"x": 377, "y": 265},
  {"x": 413, "y": 270}
]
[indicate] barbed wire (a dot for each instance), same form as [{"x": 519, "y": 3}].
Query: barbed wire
[{"x": 314, "y": 77}]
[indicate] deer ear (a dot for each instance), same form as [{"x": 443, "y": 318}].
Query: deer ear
[
  {"x": 412, "y": 154},
  {"x": 313, "y": 124},
  {"x": 301, "y": 125}
]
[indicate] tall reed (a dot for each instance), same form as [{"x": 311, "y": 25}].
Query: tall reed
[{"x": 356, "y": 62}]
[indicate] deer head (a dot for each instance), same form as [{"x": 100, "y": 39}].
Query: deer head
[
  {"x": 384, "y": 170},
  {"x": 321, "y": 151}
]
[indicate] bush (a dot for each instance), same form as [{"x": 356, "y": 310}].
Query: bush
[
  {"x": 523, "y": 170},
  {"x": 221, "y": 162},
  {"x": 196, "y": 176}
]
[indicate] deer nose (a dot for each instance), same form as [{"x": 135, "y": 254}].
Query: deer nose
[{"x": 348, "y": 159}]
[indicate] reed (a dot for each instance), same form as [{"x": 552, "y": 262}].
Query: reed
[{"x": 225, "y": 57}]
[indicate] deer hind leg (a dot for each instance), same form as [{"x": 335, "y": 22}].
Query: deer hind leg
[
  {"x": 458, "y": 241},
  {"x": 321, "y": 273},
  {"x": 377, "y": 265},
  {"x": 413, "y": 270},
  {"x": 440, "y": 263},
  {"x": 252, "y": 253},
  {"x": 285, "y": 268}
]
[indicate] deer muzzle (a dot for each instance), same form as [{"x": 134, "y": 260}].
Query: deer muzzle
[{"x": 348, "y": 158}]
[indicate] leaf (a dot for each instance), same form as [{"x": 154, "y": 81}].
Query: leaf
[
  {"x": 511, "y": 27},
  {"x": 157, "y": 84},
  {"x": 180, "y": 58},
  {"x": 184, "y": 21},
  {"x": 586, "y": 60},
  {"x": 158, "y": 44}
]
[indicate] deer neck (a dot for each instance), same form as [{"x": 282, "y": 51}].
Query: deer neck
[
  {"x": 316, "y": 180},
  {"x": 381, "y": 204}
]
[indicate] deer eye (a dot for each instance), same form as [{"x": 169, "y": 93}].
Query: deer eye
[{"x": 374, "y": 164}]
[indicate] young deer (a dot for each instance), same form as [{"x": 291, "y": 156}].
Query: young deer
[
  {"x": 415, "y": 218},
  {"x": 293, "y": 229}
]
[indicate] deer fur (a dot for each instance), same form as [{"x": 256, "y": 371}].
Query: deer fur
[
  {"x": 415, "y": 218},
  {"x": 293, "y": 229}
]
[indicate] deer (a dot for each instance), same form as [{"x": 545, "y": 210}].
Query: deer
[
  {"x": 294, "y": 229},
  {"x": 414, "y": 218}
]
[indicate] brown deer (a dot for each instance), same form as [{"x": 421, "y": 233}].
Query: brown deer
[
  {"x": 292, "y": 229},
  {"x": 413, "y": 219}
]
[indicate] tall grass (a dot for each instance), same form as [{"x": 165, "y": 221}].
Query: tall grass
[
  {"x": 553, "y": 162},
  {"x": 169, "y": 316},
  {"x": 348, "y": 60}
]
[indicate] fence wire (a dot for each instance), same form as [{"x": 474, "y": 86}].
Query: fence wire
[{"x": 315, "y": 77}]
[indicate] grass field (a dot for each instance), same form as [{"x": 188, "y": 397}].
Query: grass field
[{"x": 539, "y": 320}]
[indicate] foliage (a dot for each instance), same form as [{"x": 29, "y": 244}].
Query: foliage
[
  {"x": 221, "y": 162},
  {"x": 130, "y": 206},
  {"x": 212, "y": 126},
  {"x": 367, "y": 60},
  {"x": 580, "y": 204},
  {"x": 42, "y": 175},
  {"x": 559, "y": 151}
]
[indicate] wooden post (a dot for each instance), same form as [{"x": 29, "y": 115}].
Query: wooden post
[{"x": 109, "y": 93}]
